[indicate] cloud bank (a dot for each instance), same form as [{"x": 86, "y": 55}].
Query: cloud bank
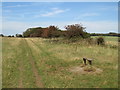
[{"x": 10, "y": 27}]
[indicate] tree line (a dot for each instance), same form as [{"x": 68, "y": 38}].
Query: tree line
[
  {"x": 106, "y": 34},
  {"x": 72, "y": 31},
  {"x": 75, "y": 30},
  {"x": 17, "y": 35}
]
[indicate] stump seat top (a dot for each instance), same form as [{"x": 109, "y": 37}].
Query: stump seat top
[{"x": 90, "y": 59}]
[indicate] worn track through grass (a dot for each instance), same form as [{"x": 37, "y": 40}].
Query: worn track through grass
[
  {"x": 21, "y": 68},
  {"x": 48, "y": 55},
  {"x": 36, "y": 63},
  {"x": 37, "y": 76},
  {"x": 21, "y": 79}
]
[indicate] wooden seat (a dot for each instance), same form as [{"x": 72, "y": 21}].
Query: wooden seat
[{"x": 89, "y": 61}]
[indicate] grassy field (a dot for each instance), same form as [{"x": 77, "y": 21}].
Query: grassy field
[
  {"x": 109, "y": 39},
  {"x": 0, "y": 63},
  {"x": 37, "y": 63}
]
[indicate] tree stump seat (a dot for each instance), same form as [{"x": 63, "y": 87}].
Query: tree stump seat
[{"x": 89, "y": 61}]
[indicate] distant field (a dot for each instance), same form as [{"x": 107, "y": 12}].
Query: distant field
[
  {"x": 108, "y": 38},
  {"x": 36, "y": 62}
]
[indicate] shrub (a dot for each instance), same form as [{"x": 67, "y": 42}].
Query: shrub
[
  {"x": 100, "y": 41},
  {"x": 1, "y": 35},
  {"x": 33, "y": 32},
  {"x": 12, "y": 36},
  {"x": 9, "y": 36},
  {"x": 51, "y": 32},
  {"x": 76, "y": 30},
  {"x": 19, "y": 35}
]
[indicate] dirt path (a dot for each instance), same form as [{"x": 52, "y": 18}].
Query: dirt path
[{"x": 38, "y": 82}]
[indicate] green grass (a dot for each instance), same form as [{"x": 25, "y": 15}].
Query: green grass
[
  {"x": 53, "y": 61},
  {"x": 108, "y": 38},
  {"x": 0, "y": 62},
  {"x": 14, "y": 55}
]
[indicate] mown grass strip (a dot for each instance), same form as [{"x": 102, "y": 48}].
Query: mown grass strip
[{"x": 39, "y": 84}]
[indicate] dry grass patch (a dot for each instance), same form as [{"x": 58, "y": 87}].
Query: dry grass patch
[{"x": 86, "y": 70}]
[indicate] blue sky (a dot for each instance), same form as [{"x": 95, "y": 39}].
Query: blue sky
[{"x": 99, "y": 17}]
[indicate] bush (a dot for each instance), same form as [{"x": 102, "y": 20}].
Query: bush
[
  {"x": 33, "y": 32},
  {"x": 100, "y": 41},
  {"x": 12, "y": 36},
  {"x": 76, "y": 30},
  {"x": 19, "y": 35},
  {"x": 9, "y": 36},
  {"x": 51, "y": 32},
  {"x": 1, "y": 35}
]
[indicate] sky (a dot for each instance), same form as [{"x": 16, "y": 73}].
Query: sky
[
  {"x": 98, "y": 17},
  {"x": 60, "y": 0}
]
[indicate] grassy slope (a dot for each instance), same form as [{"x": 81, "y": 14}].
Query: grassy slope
[
  {"x": 0, "y": 62},
  {"x": 15, "y": 55},
  {"x": 53, "y": 61}
]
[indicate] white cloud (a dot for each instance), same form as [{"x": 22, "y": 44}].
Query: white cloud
[
  {"x": 90, "y": 14},
  {"x": 12, "y": 27},
  {"x": 111, "y": 8},
  {"x": 7, "y": 11},
  {"x": 54, "y": 8},
  {"x": 85, "y": 15},
  {"x": 16, "y": 6},
  {"x": 101, "y": 26},
  {"x": 0, "y": 24},
  {"x": 53, "y": 12}
]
